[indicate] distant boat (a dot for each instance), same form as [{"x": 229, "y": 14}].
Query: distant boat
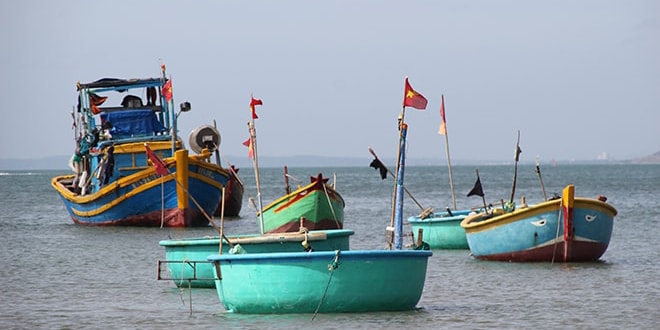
[
  {"x": 441, "y": 230},
  {"x": 316, "y": 206},
  {"x": 130, "y": 169},
  {"x": 327, "y": 281},
  {"x": 186, "y": 264},
  {"x": 568, "y": 229}
]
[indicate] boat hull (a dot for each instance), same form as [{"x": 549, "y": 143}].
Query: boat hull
[
  {"x": 324, "y": 282},
  {"x": 537, "y": 233},
  {"x": 146, "y": 199},
  {"x": 321, "y": 206},
  {"x": 441, "y": 230},
  {"x": 187, "y": 263},
  {"x": 233, "y": 199}
]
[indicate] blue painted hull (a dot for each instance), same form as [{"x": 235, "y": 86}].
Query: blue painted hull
[
  {"x": 536, "y": 233},
  {"x": 145, "y": 199},
  {"x": 440, "y": 230}
]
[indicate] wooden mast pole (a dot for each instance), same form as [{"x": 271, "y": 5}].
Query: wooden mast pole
[{"x": 443, "y": 131}]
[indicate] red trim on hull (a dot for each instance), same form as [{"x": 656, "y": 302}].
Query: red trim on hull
[
  {"x": 172, "y": 218},
  {"x": 233, "y": 199},
  {"x": 580, "y": 251},
  {"x": 294, "y": 227}
]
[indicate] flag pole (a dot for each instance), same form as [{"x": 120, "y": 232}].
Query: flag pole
[
  {"x": 515, "y": 168},
  {"x": 400, "y": 124},
  {"x": 255, "y": 161},
  {"x": 538, "y": 173},
  {"x": 443, "y": 129}
]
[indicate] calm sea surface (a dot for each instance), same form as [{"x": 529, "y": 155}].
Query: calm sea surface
[{"x": 59, "y": 275}]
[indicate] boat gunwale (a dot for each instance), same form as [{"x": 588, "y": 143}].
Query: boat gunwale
[
  {"x": 315, "y": 255},
  {"x": 213, "y": 240},
  {"x": 473, "y": 223}
]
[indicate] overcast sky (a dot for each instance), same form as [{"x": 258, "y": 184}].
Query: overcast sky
[{"x": 577, "y": 78}]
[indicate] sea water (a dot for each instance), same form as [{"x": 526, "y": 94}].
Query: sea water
[{"x": 59, "y": 275}]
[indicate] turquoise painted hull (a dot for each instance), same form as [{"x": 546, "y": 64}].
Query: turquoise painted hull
[
  {"x": 440, "y": 230},
  {"x": 363, "y": 281},
  {"x": 536, "y": 233},
  {"x": 201, "y": 273}
]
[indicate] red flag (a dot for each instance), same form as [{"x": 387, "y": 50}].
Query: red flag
[
  {"x": 159, "y": 165},
  {"x": 95, "y": 101},
  {"x": 254, "y": 102},
  {"x": 413, "y": 99},
  {"x": 167, "y": 90},
  {"x": 443, "y": 124},
  {"x": 248, "y": 143}
]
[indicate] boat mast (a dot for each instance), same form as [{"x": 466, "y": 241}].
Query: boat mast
[
  {"x": 398, "y": 211},
  {"x": 443, "y": 131},
  {"x": 515, "y": 169},
  {"x": 255, "y": 160}
]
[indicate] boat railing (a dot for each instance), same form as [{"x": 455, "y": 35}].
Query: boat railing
[{"x": 165, "y": 270}]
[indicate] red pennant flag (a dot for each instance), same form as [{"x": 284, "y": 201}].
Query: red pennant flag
[
  {"x": 167, "y": 90},
  {"x": 254, "y": 102},
  {"x": 159, "y": 165},
  {"x": 443, "y": 124},
  {"x": 411, "y": 98},
  {"x": 248, "y": 143}
]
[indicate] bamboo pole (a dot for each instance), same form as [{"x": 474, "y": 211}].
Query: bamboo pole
[
  {"x": 451, "y": 177},
  {"x": 515, "y": 168},
  {"x": 538, "y": 173},
  {"x": 255, "y": 161}
]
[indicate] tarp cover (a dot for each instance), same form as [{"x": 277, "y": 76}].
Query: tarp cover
[{"x": 132, "y": 123}]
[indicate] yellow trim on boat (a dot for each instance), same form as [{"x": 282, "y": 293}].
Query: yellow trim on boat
[
  {"x": 57, "y": 184},
  {"x": 474, "y": 224}
]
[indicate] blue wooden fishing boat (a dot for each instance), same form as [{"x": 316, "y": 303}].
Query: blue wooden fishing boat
[
  {"x": 566, "y": 229},
  {"x": 185, "y": 259},
  {"x": 327, "y": 281},
  {"x": 130, "y": 168}
]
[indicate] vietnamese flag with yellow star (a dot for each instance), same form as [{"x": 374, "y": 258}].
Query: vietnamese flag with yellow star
[{"x": 411, "y": 98}]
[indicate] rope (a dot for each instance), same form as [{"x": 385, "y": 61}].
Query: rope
[
  {"x": 331, "y": 267},
  {"x": 559, "y": 217},
  {"x": 334, "y": 216}
]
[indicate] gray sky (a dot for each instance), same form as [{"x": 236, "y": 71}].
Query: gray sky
[{"x": 577, "y": 78}]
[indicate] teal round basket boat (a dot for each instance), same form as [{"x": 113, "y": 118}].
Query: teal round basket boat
[{"x": 323, "y": 282}]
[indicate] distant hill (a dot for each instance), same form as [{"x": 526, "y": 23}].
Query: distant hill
[{"x": 651, "y": 159}]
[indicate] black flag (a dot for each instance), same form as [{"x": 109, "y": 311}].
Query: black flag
[
  {"x": 376, "y": 164},
  {"x": 476, "y": 190}
]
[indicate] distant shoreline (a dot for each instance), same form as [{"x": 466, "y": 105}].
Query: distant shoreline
[{"x": 60, "y": 162}]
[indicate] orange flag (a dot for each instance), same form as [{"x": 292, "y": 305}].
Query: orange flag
[
  {"x": 167, "y": 90},
  {"x": 160, "y": 166},
  {"x": 443, "y": 124},
  {"x": 254, "y": 102},
  {"x": 95, "y": 101},
  {"x": 248, "y": 143},
  {"x": 411, "y": 98}
]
